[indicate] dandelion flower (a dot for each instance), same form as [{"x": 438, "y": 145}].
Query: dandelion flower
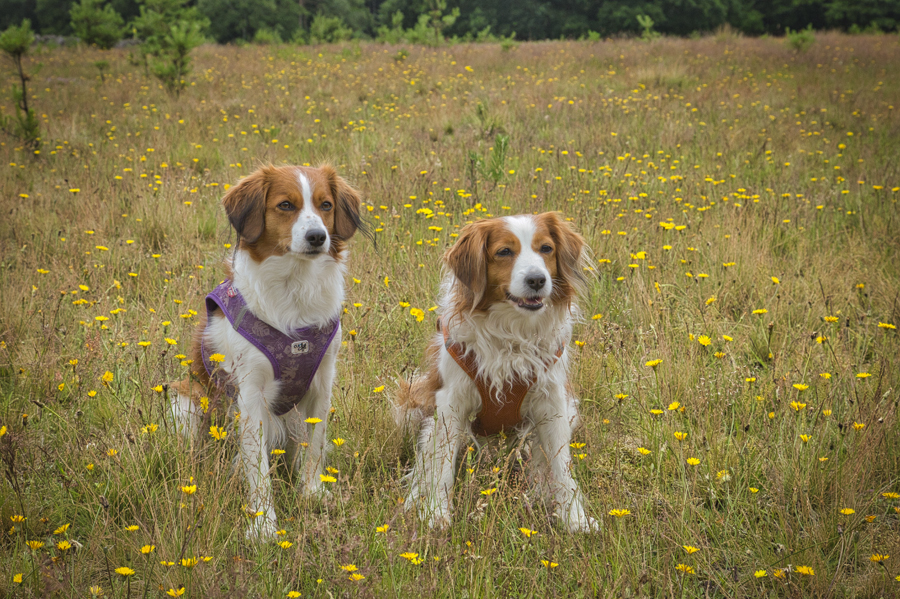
[
  {"x": 124, "y": 571},
  {"x": 847, "y": 511},
  {"x": 684, "y": 568},
  {"x": 800, "y": 387},
  {"x": 327, "y": 479},
  {"x": 338, "y": 441},
  {"x": 349, "y": 568},
  {"x": 619, "y": 513},
  {"x": 489, "y": 492},
  {"x": 653, "y": 363},
  {"x": 548, "y": 564},
  {"x": 805, "y": 570},
  {"x": 644, "y": 451},
  {"x": 693, "y": 461},
  {"x": 382, "y": 529},
  {"x": 680, "y": 435},
  {"x": 878, "y": 557},
  {"x": 313, "y": 420},
  {"x": 527, "y": 531},
  {"x": 690, "y": 549},
  {"x": 761, "y": 573}
]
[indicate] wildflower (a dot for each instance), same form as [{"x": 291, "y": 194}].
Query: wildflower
[
  {"x": 693, "y": 461},
  {"x": 188, "y": 562},
  {"x": 690, "y": 549},
  {"x": 327, "y": 479},
  {"x": 719, "y": 355},
  {"x": 548, "y": 564},
  {"x": 285, "y": 544},
  {"x": 189, "y": 489},
  {"x": 125, "y": 571},
  {"x": 830, "y": 318},
  {"x": 805, "y": 570},
  {"x": 111, "y": 452},
  {"x": 293, "y": 594},
  {"x": 171, "y": 341},
  {"x": 644, "y": 451},
  {"x": 704, "y": 340},
  {"x": 620, "y": 396},
  {"x": 727, "y": 338},
  {"x": 825, "y": 375},
  {"x": 710, "y": 300},
  {"x": 132, "y": 528},
  {"x": 800, "y": 387},
  {"x": 489, "y": 492},
  {"x": 674, "y": 406},
  {"x": 356, "y": 576},
  {"x": 218, "y": 433},
  {"x": 419, "y": 314},
  {"x": 797, "y": 406},
  {"x": 61, "y": 529},
  {"x": 18, "y": 518},
  {"x": 382, "y": 529},
  {"x": 17, "y": 578},
  {"x": 680, "y": 436},
  {"x": 313, "y": 420},
  {"x": 527, "y": 532},
  {"x": 886, "y": 325},
  {"x": 684, "y": 568},
  {"x": 826, "y": 412},
  {"x": 863, "y": 375},
  {"x": 349, "y": 568},
  {"x": 216, "y": 358},
  {"x": 754, "y": 490},
  {"x": 859, "y": 425},
  {"x": 338, "y": 441},
  {"x": 618, "y": 513},
  {"x": 761, "y": 311},
  {"x": 870, "y": 518},
  {"x": 148, "y": 549},
  {"x": 176, "y": 592},
  {"x": 149, "y": 429},
  {"x": 805, "y": 438},
  {"x": 653, "y": 363},
  {"x": 64, "y": 545},
  {"x": 847, "y": 511},
  {"x": 891, "y": 495},
  {"x": 775, "y": 280},
  {"x": 878, "y": 557},
  {"x": 760, "y": 573},
  {"x": 35, "y": 545},
  {"x": 107, "y": 377},
  {"x": 750, "y": 379}
]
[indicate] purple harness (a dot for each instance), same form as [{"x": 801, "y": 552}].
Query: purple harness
[{"x": 295, "y": 358}]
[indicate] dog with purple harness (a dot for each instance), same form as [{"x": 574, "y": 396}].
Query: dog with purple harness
[{"x": 267, "y": 342}]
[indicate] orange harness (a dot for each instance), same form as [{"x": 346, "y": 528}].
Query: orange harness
[{"x": 494, "y": 416}]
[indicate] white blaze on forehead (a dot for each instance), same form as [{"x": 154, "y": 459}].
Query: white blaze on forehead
[
  {"x": 305, "y": 187},
  {"x": 528, "y": 262}
]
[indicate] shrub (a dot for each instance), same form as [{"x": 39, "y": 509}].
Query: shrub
[
  {"x": 173, "y": 61},
  {"x": 646, "y": 23},
  {"x": 266, "y": 36},
  {"x": 96, "y": 24},
  {"x": 800, "y": 40},
  {"x": 328, "y": 30}
]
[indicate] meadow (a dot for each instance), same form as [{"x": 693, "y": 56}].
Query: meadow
[{"x": 735, "y": 354}]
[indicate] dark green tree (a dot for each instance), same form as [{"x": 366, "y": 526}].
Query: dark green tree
[
  {"x": 15, "y": 43},
  {"x": 97, "y": 24}
]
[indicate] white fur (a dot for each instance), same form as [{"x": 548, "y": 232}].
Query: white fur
[
  {"x": 307, "y": 220},
  {"x": 528, "y": 262},
  {"x": 508, "y": 341},
  {"x": 288, "y": 292}
]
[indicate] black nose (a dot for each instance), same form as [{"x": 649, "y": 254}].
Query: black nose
[
  {"x": 316, "y": 237},
  {"x": 536, "y": 281}
]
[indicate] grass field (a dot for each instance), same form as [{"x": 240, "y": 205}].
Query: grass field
[{"x": 741, "y": 205}]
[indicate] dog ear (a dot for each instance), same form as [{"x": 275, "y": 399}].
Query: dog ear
[
  {"x": 245, "y": 205},
  {"x": 468, "y": 259},
  {"x": 346, "y": 206},
  {"x": 569, "y": 253}
]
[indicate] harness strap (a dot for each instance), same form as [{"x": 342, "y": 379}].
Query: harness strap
[{"x": 495, "y": 416}]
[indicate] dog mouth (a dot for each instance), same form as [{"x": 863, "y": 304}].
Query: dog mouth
[{"x": 532, "y": 304}]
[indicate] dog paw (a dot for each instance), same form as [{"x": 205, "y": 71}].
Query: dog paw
[
  {"x": 261, "y": 529},
  {"x": 317, "y": 491},
  {"x": 583, "y": 524}
]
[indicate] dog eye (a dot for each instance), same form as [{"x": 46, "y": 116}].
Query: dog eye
[
  {"x": 286, "y": 206},
  {"x": 505, "y": 252},
  {"x": 546, "y": 249},
  {"x": 326, "y": 206}
]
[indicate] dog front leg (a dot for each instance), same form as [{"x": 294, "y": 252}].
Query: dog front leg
[
  {"x": 254, "y": 458},
  {"x": 553, "y": 461},
  {"x": 432, "y": 481}
]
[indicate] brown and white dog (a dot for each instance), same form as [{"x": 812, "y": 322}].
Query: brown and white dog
[
  {"x": 507, "y": 307},
  {"x": 289, "y": 265}
]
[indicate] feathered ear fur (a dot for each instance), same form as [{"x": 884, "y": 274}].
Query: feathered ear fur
[
  {"x": 346, "y": 206},
  {"x": 468, "y": 259},
  {"x": 569, "y": 255},
  {"x": 245, "y": 205}
]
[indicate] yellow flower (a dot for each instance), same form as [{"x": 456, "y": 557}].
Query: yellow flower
[
  {"x": 684, "y": 568},
  {"x": 378, "y": 389},
  {"x": 693, "y": 461},
  {"x": 680, "y": 436},
  {"x": 886, "y": 325},
  {"x": 760, "y": 573},
  {"x": 293, "y": 594},
  {"x": 64, "y": 545},
  {"x": 805, "y": 570},
  {"x": 189, "y": 489},
  {"x": 419, "y": 314},
  {"x": 132, "y": 528},
  {"x": 644, "y": 451},
  {"x": 830, "y": 318},
  {"x": 107, "y": 377},
  {"x": 760, "y": 311},
  {"x": 285, "y": 544},
  {"x": 805, "y": 438},
  {"x": 327, "y": 479},
  {"x": 112, "y": 452},
  {"x": 489, "y": 492},
  {"x": 618, "y": 513},
  {"x": 125, "y": 571},
  {"x": 674, "y": 406},
  {"x": 891, "y": 495},
  {"x": 754, "y": 490},
  {"x": 188, "y": 562},
  {"x": 215, "y": 357},
  {"x": 338, "y": 441},
  {"x": 863, "y": 375},
  {"x": 61, "y": 529},
  {"x": 17, "y": 578},
  {"x": 349, "y": 568},
  {"x": 800, "y": 387},
  {"x": 653, "y": 363},
  {"x": 148, "y": 549},
  {"x": 175, "y": 592},
  {"x": 527, "y": 532},
  {"x": 548, "y": 564},
  {"x": 878, "y": 557},
  {"x": 382, "y": 529},
  {"x": 217, "y": 433},
  {"x": 690, "y": 549},
  {"x": 312, "y": 420},
  {"x": 859, "y": 425},
  {"x": 704, "y": 340},
  {"x": 775, "y": 280},
  {"x": 356, "y": 576},
  {"x": 847, "y": 511}
]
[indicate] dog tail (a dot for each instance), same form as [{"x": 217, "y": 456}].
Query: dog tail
[{"x": 413, "y": 402}]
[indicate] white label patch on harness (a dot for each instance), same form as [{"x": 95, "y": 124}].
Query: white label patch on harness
[{"x": 300, "y": 347}]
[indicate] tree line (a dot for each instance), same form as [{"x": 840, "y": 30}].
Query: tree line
[{"x": 105, "y": 22}]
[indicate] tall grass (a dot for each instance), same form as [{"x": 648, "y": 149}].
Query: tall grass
[{"x": 697, "y": 171}]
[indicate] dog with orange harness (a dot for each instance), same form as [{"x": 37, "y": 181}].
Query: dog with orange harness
[{"x": 499, "y": 362}]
